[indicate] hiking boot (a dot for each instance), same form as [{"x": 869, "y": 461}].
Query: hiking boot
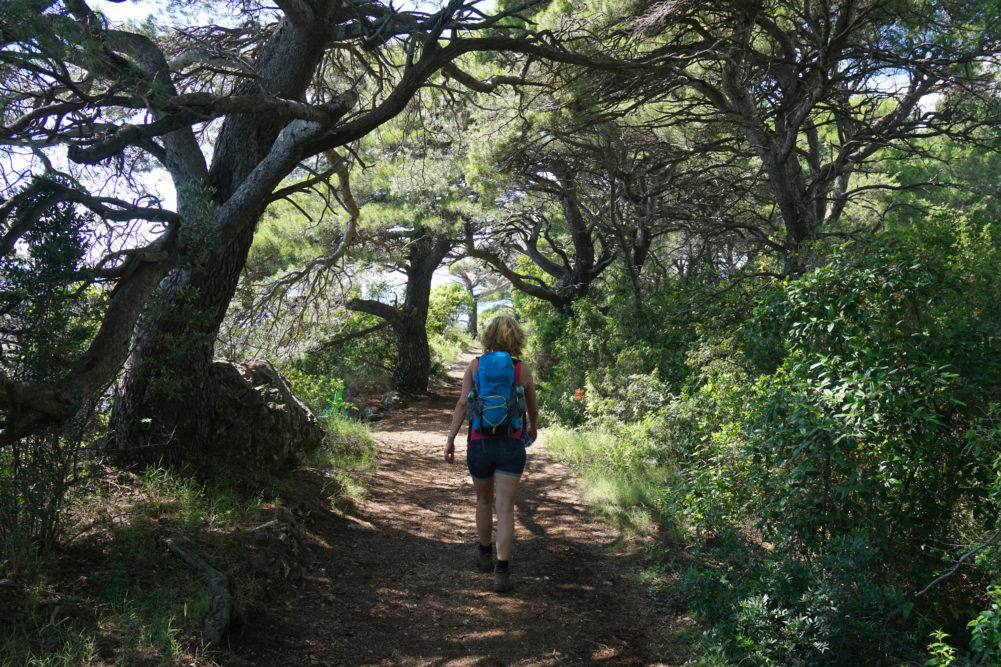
[
  {"x": 484, "y": 559},
  {"x": 502, "y": 581}
]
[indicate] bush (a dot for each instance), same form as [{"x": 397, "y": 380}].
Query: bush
[
  {"x": 825, "y": 458},
  {"x": 985, "y": 632},
  {"x": 36, "y": 475},
  {"x": 985, "y": 638},
  {"x": 447, "y": 301},
  {"x": 48, "y": 317},
  {"x": 778, "y": 609},
  {"x": 621, "y": 392},
  {"x": 365, "y": 363},
  {"x": 867, "y": 420},
  {"x": 853, "y": 422},
  {"x": 322, "y": 393},
  {"x": 628, "y": 360}
]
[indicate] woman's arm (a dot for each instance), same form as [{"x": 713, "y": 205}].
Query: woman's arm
[
  {"x": 460, "y": 411},
  {"x": 531, "y": 403}
]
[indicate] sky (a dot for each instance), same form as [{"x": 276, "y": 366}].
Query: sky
[
  {"x": 123, "y": 11},
  {"x": 139, "y": 10}
]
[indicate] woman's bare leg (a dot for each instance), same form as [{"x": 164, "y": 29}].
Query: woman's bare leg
[
  {"x": 506, "y": 487},
  {"x": 484, "y": 510}
]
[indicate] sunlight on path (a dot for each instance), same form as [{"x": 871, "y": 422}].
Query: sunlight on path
[{"x": 398, "y": 586}]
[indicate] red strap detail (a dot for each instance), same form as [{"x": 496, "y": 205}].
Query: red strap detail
[{"x": 517, "y": 372}]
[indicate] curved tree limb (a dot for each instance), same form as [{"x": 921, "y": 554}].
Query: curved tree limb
[
  {"x": 490, "y": 85},
  {"x": 993, "y": 539},
  {"x": 390, "y": 314},
  {"x": 220, "y": 612},
  {"x": 519, "y": 281},
  {"x": 340, "y": 340}
]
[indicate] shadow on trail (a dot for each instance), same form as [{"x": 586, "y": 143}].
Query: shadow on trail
[
  {"x": 396, "y": 584},
  {"x": 382, "y": 595}
]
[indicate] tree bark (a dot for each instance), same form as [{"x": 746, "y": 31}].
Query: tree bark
[
  {"x": 473, "y": 326},
  {"x": 413, "y": 361},
  {"x": 164, "y": 405},
  {"x": 425, "y": 254}
]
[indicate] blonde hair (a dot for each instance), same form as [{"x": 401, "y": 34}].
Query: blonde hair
[{"x": 503, "y": 334}]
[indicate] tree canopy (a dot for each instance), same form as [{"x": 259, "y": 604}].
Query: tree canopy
[
  {"x": 754, "y": 241},
  {"x": 227, "y": 112}
]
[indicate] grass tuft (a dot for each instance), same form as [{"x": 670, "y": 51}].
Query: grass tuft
[
  {"x": 348, "y": 454},
  {"x": 623, "y": 489}
]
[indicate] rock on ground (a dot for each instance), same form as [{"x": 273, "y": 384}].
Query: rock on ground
[{"x": 261, "y": 424}]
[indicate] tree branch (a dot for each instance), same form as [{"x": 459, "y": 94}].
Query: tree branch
[
  {"x": 340, "y": 340},
  {"x": 990, "y": 541},
  {"x": 490, "y": 85},
  {"x": 516, "y": 279},
  {"x": 392, "y": 315}
]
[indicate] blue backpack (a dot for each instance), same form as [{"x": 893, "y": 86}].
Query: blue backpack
[{"x": 496, "y": 405}]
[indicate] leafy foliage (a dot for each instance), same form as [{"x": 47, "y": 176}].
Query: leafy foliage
[
  {"x": 865, "y": 423},
  {"x": 447, "y": 302},
  {"x": 47, "y": 318},
  {"x": 821, "y": 454}
]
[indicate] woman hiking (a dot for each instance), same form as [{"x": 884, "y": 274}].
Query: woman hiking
[{"x": 495, "y": 451}]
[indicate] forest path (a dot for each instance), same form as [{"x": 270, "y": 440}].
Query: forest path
[{"x": 396, "y": 585}]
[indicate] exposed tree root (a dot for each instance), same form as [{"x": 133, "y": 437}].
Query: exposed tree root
[
  {"x": 314, "y": 508},
  {"x": 220, "y": 613}
]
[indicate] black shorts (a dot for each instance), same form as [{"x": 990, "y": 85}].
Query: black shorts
[{"x": 487, "y": 456}]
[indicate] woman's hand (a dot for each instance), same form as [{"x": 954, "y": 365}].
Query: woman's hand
[{"x": 460, "y": 411}]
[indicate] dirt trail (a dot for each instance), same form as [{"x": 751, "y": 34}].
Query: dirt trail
[{"x": 395, "y": 585}]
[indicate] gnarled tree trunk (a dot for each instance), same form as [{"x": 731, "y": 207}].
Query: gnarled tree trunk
[
  {"x": 165, "y": 404},
  {"x": 425, "y": 253}
]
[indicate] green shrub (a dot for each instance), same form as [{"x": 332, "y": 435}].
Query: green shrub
[
  {"x": 778, "y": 609},
  {"x": 447, "y": 302},
  {"x": 866, "y": 421},
  {"x": 48, "y": 317},
  {"x": 621, "y": 392},
  {"x": 985, "y": 638},
  {"x": 852, "y": 420},
  {"x": 365, "y": 362},
  {"x": 985, "y": 632},
  {"x": 832, "y": 440},
  {"x": 322, "y": 393}
]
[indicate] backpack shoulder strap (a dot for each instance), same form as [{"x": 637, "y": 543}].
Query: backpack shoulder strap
[{"x": 517, "y": 372}]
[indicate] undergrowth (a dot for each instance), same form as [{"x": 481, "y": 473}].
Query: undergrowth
[
  {"x": 112, "y": 594},
  {"x": 623, "y": 484},
  {"x": 831, "y": 464},
  {"x": 350, "y": 452}
]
